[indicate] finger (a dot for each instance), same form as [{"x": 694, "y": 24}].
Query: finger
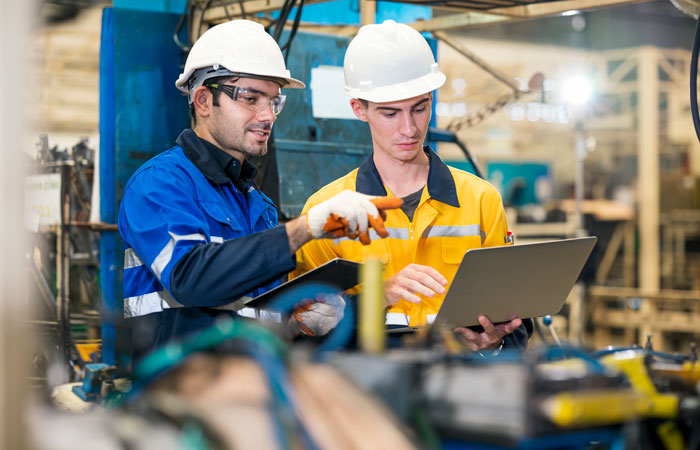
[
  {"x": 378, "y": 224},
  {"x": 344, "y": 222},
  {"x": 358, "y": 219},
  {"x": 468, "y": 336},
  {"x": 407, "y": 295},
  {"x": 425, "y": 280},
  {"x": 338, "y": 233},
  {"x": 303, "y": 305},
  {"x": 387, "y": 202},
  {"x": 306, "y": 329},
  {"x": 418, "y": 287},
  {"x": 489, "y": 328},
  {"x": 364, "y": 237},
  {"x": 511, "y": 326},
  {"x": 332, "y": 223},
  {"x": 432, "y": 273}
]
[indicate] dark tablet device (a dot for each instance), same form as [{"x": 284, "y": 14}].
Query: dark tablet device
[{"x": 339, "y": 273}]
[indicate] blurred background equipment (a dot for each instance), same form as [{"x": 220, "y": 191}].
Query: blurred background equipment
[{"x": 64, "y": 262}]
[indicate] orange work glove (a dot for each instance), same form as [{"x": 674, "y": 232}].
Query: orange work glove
[
  {"x": 317, "y": 317},
  {"x": 377, "y": 222},
  {"x": 350, "y": 214}
]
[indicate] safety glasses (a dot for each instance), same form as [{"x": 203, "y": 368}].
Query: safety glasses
[{"x": 250, "y": 98}]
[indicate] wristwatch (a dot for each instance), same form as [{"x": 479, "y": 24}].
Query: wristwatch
[{"x": 495, "y": 352}]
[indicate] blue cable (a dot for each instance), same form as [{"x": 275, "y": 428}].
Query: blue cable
[
  {"x": 340, "y": 335},
  {"x": 556, "y": 352}
]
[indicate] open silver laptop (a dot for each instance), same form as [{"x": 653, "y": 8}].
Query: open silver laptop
[{"x": 527, "y": 280}]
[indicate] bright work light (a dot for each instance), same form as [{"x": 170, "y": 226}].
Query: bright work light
[{"x": 577, "y": 90}]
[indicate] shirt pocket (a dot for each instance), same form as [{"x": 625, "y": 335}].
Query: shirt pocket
[
  {"x": 222, "y": 224},
  {"x": 454, "y": 248}
]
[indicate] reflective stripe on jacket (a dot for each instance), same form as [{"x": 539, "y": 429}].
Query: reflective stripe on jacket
[{"x": 457, "y": 211}]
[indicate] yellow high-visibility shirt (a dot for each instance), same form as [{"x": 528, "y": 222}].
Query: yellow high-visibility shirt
[{"x": 457, "y": 211}]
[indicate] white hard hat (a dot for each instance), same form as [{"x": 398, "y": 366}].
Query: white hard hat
[
  {"x": 238, "y": 47},
  {"x": 390, "y": 62}
]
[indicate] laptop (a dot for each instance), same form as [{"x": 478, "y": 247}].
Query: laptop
[{"x": 526, "y": 280}]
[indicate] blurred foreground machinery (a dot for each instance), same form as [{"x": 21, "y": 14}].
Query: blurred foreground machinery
[{"x": 238, "y": 385}]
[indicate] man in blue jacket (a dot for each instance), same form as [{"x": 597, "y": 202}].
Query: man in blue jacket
[{"x": 199, "y": 233}]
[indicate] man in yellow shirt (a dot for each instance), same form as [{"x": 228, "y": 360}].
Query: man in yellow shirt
[{"x": 390, "y": 74}]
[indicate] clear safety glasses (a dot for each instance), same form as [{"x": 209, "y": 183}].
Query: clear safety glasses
[{"x": 250, "y": 98}]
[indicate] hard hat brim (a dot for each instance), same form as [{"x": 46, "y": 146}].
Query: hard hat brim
[
  {"x": 401, "y": 91},
  {"x": 287, "y": 82}
]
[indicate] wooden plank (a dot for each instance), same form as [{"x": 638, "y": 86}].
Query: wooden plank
[
  {"x": 625, "y": 292},
  {"x": 648, "y": 169},
  {"x": 368, "y": 12},
  {"x": 554, "y": 8},
  {"x": 610, "y": 253}
]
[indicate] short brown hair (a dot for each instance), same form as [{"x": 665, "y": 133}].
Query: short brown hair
[{"x": 215, "y": 93}]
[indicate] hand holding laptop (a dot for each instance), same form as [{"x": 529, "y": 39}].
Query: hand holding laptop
[
  {"x": 492, "y": 336},
  {"x": 412, "y": 280}
]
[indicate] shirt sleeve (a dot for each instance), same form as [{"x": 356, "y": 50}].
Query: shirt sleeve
[
  {"x": 161, "y": 219},
  {"x": 495, "y": 224},
  {"x": 517, "y": 340}
]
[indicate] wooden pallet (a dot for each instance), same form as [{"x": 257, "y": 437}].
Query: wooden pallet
[{"x": 626, "y": 316}]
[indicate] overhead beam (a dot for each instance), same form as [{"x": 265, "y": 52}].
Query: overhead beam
[
  {"x": 217, "y": 14},
  {"x": 500, "y": 15},
  {"x": 554, "y": 8},
  {"x": 461, "y": 20}
]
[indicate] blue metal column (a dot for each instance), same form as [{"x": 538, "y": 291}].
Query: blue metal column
[
  {"x": 108, "y": 269},
  {"x": 141, "y": 115}
]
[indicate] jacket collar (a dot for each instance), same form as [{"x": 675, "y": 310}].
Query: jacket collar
[
  {"x": 216, "y": 165},
  {"x": 441, "y": 184}
]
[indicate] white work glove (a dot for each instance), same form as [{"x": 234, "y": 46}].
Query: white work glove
[
  {"x": 350, "y": 214},
  {"x": 317, "y": 317}
]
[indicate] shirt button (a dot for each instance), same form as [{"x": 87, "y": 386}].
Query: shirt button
[{"x": 228, "y": 220}]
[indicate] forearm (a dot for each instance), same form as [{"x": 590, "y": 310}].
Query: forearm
[
  {"x": 215, "y": 274},
  {"x": 297, "y": 233}
]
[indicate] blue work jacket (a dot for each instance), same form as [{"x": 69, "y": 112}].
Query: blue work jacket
[{"x": 198, "y": 234}]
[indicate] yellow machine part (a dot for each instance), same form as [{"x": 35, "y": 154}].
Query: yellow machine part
[
  {"x": 86, "y": 348},
  {"x": 688, "y": 372},
  {"x": 599, "y": 407},
  {"x": 631, "y": 363}
]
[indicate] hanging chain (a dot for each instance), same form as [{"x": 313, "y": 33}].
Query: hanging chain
[{"x": 482, "y": 114}]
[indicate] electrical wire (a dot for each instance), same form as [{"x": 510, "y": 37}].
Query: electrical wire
[
  {"x": 243, "y": 14},
  {"x": 180, "y": 22},
  {"x": 295, "y": 26},
  {"x": 261, "y": 345},
  {"x": 556, "y": 352}
]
